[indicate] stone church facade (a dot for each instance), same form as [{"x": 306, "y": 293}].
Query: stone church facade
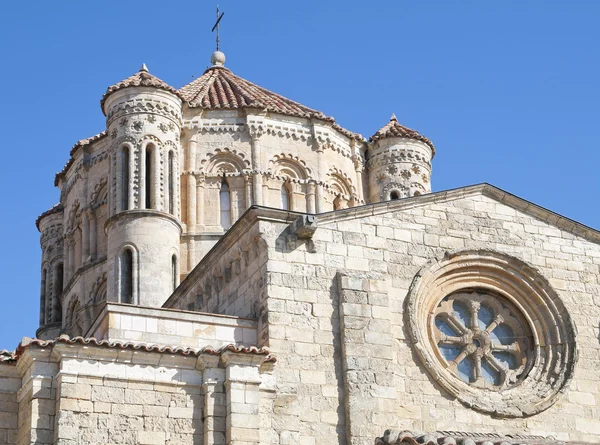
[{"x": 227, "y": 266}]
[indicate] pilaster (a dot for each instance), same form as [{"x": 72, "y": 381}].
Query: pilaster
[
  {"x": 36, "y": 398},
  {"x": 367, "y": 357},
  {"x": 242, "y": 381}
]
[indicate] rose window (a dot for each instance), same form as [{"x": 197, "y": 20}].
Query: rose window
[{"x": 481, "y": 339}]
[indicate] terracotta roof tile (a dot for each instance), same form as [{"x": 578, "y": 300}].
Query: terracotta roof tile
[
  {"x": 140, "y": 79},
  {"x": 81, "y": 143},
  {"x": 218, "y": 88},
  {"x": 57, "y": 208},
  {"x": 396, "y": 437},
  {"x": 65, "y": 339},
  {"x": 7, "y": 356},
  {"x": 393, "y": 129}
]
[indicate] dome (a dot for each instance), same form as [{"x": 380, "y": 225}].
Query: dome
[
  {"x": 142, "y": 78},
  {"x": 393, "y": 129}
]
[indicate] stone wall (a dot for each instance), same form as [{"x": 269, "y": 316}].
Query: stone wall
[
  {"x": 9, "y": 407},
  {"x": 169, "y": 327},
  {"x": 347, "y": 368},
  {"x": 77, "y": 392}
]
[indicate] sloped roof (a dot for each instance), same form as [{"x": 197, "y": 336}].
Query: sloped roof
[
  {"x": 81, "y": 143},
  {"x": 218, "y": 88},
  {"x": 139, "y": 346},
  {"x": 142, "y": 78},
  {"x": 393, "y": 129},
  {"x": 57, "y": 208}
]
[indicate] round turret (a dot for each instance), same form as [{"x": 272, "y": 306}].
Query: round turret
[
  {"x": 50, "y": 225},
  {"x": 399, "y": 163},
  {"x": 143, "y": 117}
]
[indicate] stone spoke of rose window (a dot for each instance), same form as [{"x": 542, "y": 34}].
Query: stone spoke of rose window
[{"x": 476, "y": 336}]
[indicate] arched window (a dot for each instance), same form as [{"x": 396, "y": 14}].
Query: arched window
[
  {"x": 43, "y": 297},
  {"x": 125, "y": 178},
  {"x": 127, "y": 276},
  {"x": 56, "y": 316},
  {"x": 225, "y": 202},
  {"x": 149, "y": 176},
  {"x": 174, "y": 271},
  {"x": 285, "y": 198},
  {"x": 394, "y": 195},
  {"x": 171, "y": 185}
]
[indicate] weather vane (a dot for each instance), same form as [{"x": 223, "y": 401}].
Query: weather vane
[{"x": 219, "y": 17}]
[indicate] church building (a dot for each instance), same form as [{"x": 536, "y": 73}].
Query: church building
[{"x": 228, "y": 266}]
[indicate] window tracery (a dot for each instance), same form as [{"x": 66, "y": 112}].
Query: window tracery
[{"x": 481, "y": 339}]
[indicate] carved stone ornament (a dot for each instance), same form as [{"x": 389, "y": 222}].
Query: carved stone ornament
[{"x": 492, "y": 332}]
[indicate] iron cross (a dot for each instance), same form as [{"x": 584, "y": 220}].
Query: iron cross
[{"x": 219, "y": 17}]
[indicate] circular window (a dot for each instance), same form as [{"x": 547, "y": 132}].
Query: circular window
[
  {"x": 482, "y": 339},
  {"x": 492, "y": 332}
]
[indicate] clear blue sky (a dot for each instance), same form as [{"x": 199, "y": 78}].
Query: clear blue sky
[{"x": 507, "y": 90}]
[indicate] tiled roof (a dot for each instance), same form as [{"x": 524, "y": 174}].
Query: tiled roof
[
  {"x": 140, "y": 79},
  {"x": 393, "y": 129},
  {"x": 78, "y": 145},
  {"x": 395, "y": 437},
  {"x": 218, "y": 88},
  {"x": 65, "y": 339},
  {"x": 57, "y": 208},
  {"x": 7, "y": 356},
  {"x": 81, "y": 143}
]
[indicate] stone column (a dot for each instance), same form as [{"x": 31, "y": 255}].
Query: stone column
[
  {"x": 320, "y": 199},
  {"x": 192, "y": 204},
  {"x": 200, "y": 201},
  {"x": 156, "y": 202},
  {"x": 242, "y": 394},
  {"x": 310, "y": 197},
  {"x": 358, "y": 167},
  {"x": 141, "y": 178},
  {"x": 120, "y": 185},
  {"x": 248, "y": 189},
  {"x": 85, "y": 237},
  {"x": 93, "y": 234},
  {"x": 255, "y": 134},
  {"x": 132, "y": 179}
]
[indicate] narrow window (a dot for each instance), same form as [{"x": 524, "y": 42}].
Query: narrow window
[
  {"x": 171, "y": 185},
  {"x": 43, "y": 298},
  {"x": 174, "y": 271},
  {"x": 125, "y": 185},
  {"x": 58, "y": 290},
  {"x": 149, "y": 177},
  {"x": 225, "y": 201},
  {"x": 127, "y": 277},
  {"x": 285, "y": 198},
  {"x": 394, "y": 195}
]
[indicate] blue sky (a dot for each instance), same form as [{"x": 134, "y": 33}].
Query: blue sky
[{"x": 508, "y": 91}]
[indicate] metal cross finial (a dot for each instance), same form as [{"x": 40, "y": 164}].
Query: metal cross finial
[{"x": 219, "y": 17}]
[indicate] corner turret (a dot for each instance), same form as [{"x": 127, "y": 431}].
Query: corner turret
[
  {"x": 143, "y": 120},
  {"x": 399, "y": 163}
]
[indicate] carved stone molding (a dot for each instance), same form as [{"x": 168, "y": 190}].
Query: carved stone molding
[{"x": 549, "y": 362}]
